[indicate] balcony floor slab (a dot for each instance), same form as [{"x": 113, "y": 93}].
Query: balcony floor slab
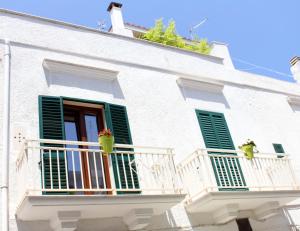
[
  {"x": 246, "y": 200},
  {"x": 44, "y": 207}
]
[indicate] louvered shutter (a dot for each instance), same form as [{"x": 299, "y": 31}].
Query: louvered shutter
[
  {"x": 278, "y": 149},
  {"x": 51, "y": 127},
  {"x": 216, "y": 135},
  {"x": 117, "y": 121}
]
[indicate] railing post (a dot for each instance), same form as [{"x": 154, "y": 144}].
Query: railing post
[
  {"x": 292, "y": 173},
  {"x": 212, "y": 180},
  {"x": 173, "y": 168},
  {"x": 111, "y": 173},
  {"x": 208, "y": 167}
]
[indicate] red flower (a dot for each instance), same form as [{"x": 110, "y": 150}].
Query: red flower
[{"x": 105, "y": 132}]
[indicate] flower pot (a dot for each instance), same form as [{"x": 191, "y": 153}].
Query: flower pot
[
  {"x": 248, "y": 150},
  {"x": 107, "y": 143}
]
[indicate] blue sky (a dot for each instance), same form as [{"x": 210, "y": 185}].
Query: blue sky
[{"x": 261, "y": 32}]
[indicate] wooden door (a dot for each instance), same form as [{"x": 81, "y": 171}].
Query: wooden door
[{"x": 84, "y": 124}]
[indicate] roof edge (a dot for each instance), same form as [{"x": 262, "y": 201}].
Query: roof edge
[{"x": 80, "y": 27}]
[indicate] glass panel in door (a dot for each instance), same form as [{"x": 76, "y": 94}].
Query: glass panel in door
[
  {"x": 95, "y": 160},
  {"x": 73, "y": 155}
]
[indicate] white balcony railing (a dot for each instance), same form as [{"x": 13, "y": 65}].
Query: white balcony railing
[
  {"x": 58, "y": 167},
  {"x": 212, "y": 170},
  {"x": 294, "y": 227}
]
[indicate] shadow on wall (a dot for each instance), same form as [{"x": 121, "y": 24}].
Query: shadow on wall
[
  {"x": 168, "y": 220},
  {"x": 191, "y": 94},
  {"x": 33, "y": 225},
  {"x": 105, "y": 224},
  {"x": 295, "y": 108},
  {"x": 89, "y": 83},
  {"x": 178, "y": 217},
  {"x": 278, "y": 222}
]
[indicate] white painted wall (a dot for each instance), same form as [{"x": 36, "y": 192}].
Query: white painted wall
[
  {"x": 1, "y": 110},
  {"x": 221, "y": 50},
  {"x": 160, "y": 112}
]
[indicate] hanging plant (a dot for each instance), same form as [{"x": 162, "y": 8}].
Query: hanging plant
[
  {"x": 106, "y": 140},
  {"x": 248, "y": 149}
]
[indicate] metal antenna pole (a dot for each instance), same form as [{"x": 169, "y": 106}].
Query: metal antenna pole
[{"x": 195, "y": 27}]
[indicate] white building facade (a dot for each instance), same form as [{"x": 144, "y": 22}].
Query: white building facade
[{"x": 178, "y": 118}]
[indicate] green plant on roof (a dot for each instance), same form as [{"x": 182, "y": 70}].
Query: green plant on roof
[
  {"x": 168, "y": 36},
  {"x": 199, "y": 45},
  {"x": 156, "y": 33}
]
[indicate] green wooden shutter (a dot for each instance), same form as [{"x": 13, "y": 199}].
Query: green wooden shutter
[
  {"x": 120, "y": 125},
  {"x": 216, "y": 135},
  {"x": 278, "y": 149},
  {"x": 117, "y": 121},
  {"x": 52, "y": 127}
]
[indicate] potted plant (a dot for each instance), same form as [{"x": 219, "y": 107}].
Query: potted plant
[
  {"x": 106, "y": 140},
  {"x": 248, "y": 149}
]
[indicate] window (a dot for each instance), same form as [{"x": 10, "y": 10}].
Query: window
[
  {"x": 216, "y": 135},
  {"x": 81, "y": 120}
]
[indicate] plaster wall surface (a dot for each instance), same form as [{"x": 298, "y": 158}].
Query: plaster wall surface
[
  {"x": 161, "y": 113},
  {"x": 1, "y": 112}
]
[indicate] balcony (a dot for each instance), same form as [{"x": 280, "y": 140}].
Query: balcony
[
  {"x": 295, "y": 227},
  {"x": 64, "y": 182},
  {"x": 224, "y": 185}
]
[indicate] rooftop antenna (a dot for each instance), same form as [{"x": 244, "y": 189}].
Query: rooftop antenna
[
  {"x": 101, "y": 25},
  {"x": 195, "y": 27}
]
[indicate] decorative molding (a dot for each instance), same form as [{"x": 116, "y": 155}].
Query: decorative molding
[
  {"x": 40, "y": 207},
  {"x": 267, "y": 210},
  {"x": 54, "y": 66},
  {"x": 65, "y": 220},
  {"x": 226, "y": 213},
  {"x": 295, "y": 100},
  {"x": 201, "y": 84},
  {"x": 138, "y": 218}
]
